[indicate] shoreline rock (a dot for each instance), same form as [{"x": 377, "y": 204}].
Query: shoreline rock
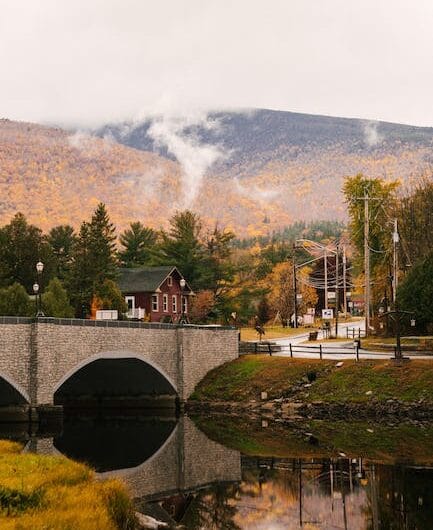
[{"x": 289, "y": 409}]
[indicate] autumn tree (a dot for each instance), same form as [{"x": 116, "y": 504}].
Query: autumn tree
[
  {"x": 415, "y": 222},
  {"x": 202, "y": 306},
  {"x": 381, "y": 205},
  {"x": 280, "y": 287},
  {"x": 138, "y": 245},
  {"x": 107, "y": 295}
]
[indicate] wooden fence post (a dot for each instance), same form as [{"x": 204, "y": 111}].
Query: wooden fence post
[
  {"x": 291, "y": 352},
  {"x": 270, "y": 349},
  {"x": 320, "y": 351}
]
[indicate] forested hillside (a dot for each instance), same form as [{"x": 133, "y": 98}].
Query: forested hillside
[{"x": 253, "y": 172}]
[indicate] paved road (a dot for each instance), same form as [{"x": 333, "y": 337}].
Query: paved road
[{"x": 341, "y": 350}]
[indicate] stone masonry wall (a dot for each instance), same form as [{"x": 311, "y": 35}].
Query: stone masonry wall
[
  {"x": 203, "y": 350},
  {"x": 39, "y": 356},
  {"x": 64, "y": 348},
  {"x": 15, "y": 354}
]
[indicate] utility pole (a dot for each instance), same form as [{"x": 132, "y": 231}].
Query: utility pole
[
  {"x": 337, "y": 289},
  {"x": 344, "y": 282},
  {"x": 366, "y": 263},
  {"x": 395, "y": 241},
  {"x": 325, "y": 259},
  {"x": 295, "y": 292}
]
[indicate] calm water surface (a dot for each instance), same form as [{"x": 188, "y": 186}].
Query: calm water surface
[{"x": 180, "y": 476}]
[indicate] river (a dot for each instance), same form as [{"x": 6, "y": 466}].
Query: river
[{"x": 233, "y": 473}]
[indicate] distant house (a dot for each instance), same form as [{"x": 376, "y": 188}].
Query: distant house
[{"x": 155, "y": 293}]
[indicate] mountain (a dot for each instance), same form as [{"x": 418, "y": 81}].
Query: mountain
[
  {"x": 254, "y": 171},
  {"x": 54, "y": 177},
  {"x": 289, "y": 165}
]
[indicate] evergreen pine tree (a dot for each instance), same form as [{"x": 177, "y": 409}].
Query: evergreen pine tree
[
  {"x": 94, "y": 260},
  {"x": 182, "y": 246},
  {"x": 61, "y": 240},
  {"x": 102, "y": 245},
  {"x": 138, "y": 244}
]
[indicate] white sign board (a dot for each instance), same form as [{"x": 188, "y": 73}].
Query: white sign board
[
  {"x": 331, "y": 295},
  {"x": 308, "y": 319},
  {"x": 327, "y": 314}
]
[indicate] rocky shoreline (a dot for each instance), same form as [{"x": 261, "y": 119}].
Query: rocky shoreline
[{"x": 288, "y": 409}]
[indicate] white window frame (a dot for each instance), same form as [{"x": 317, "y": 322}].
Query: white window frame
[
  {"x": 130, "y": 299},
  {"x": 170, "y": 281},
  {"x": 165, "y": 302},
  {"x": 174, "y": 303},
  {"x": 184, "y": 305},
  {"x": 155, "y": 298}
]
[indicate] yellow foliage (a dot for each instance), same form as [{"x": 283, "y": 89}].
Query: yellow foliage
[{"x": 67, "y": 494}]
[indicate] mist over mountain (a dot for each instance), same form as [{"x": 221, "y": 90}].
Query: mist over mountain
[
  {"x": 252, "y": 138},
  {"x": 253, "y": 171}
]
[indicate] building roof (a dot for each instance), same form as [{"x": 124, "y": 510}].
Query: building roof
[{"x": 145, "y": 279}]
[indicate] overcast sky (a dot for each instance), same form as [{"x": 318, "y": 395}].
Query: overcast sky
[{"x": 84, "y": 62}]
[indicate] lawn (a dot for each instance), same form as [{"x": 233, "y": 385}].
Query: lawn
[
  {"x": 245, "y": 378},
  {"x": 273, "y": 332},
  {"x": 49, "y": 492}
]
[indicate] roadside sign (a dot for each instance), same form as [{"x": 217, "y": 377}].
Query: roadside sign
[{"x": 327, "y": 314}]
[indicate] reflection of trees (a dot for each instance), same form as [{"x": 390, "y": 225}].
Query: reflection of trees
[
  {"x": 212, "y": 510},
  {"x": 400, "y": 497}
]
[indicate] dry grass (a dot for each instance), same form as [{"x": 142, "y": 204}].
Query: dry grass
[
  {"x": 44, "y": 492},
  {"x": 272, "y": 332}
]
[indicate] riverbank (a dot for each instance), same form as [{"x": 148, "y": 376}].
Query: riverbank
[
  {"x": 280, "y": 386},
  {"x": 41, "y": 492},
  {"x": 388, "y": 442}
]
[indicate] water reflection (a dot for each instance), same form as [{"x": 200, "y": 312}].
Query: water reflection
[
  {"x": 180, "y": 476},
  {"x": 109, "y": 444},
  {"x": 296, "y": 493}
]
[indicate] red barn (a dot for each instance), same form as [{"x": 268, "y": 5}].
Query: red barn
[{"x": 157, "y": 294}]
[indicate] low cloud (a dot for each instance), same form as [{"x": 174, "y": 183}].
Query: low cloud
[
  {"x": 176, "y": 134},
  {"x": 371, "y": 135},
  {"x": 257, "y": 193}
]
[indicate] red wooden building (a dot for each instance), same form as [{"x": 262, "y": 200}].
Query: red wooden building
[{"x": 156, "y": 294}]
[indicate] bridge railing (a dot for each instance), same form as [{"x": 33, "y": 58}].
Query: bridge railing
[{"x": 105, "y": 323}]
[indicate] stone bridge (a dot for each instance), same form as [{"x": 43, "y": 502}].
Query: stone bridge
[
  {"x": 37, "y": 356},
  {"x": 187, "y": 460}
]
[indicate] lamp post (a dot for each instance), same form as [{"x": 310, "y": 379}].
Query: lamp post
[
  {"x": 182, "y": 305},
  {"x": 37, "y": 289}
]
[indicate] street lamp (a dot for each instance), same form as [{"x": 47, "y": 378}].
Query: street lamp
[
  {"x": 37, "y": 289},
  {"x": 183, "y": 319}
]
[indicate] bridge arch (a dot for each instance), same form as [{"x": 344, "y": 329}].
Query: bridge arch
[
  {"x": 11, "y": 389},
  {"x": 114, "y": 355}
]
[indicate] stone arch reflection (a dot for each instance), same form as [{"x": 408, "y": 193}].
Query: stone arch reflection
[{"x": 110, "y": 444}]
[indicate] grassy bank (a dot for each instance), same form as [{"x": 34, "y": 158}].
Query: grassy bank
[
  {"x": 245, "y": 378},
  {"x": 46, "y": 492},
  {"x": 383, "y": 443},
  {"x": 272, "y": 332}
]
